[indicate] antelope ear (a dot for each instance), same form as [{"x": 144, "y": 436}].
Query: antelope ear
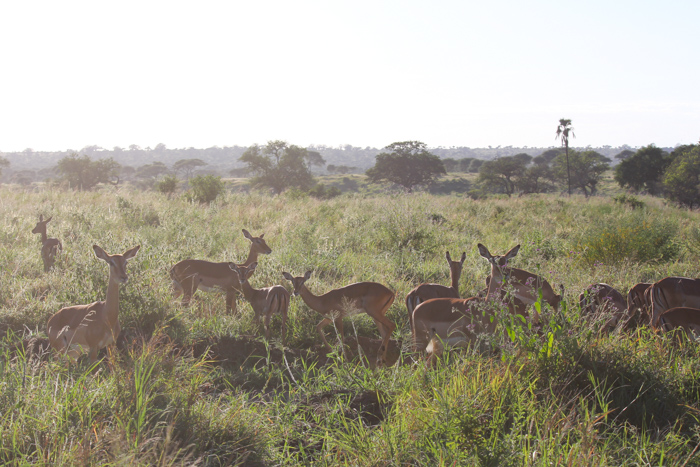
[
  {"x": 287, "y": 276},
  {"x": 483, "y": 251},
  {"x": 41, "y": 218},
  {"x": 447, "y": 256},
  {"x": 247, "y": 234},
  {"x": 464, "y": 256},
  {"x": 512, "y": 253},
  {"x": 47, "y": 220},
  {"x": 262, "y": 235},
  {"x": 253, "y": 266},
  {"x": 100, "y": 253},
  {"x": 128, "y": 254},
  {"x": 307, "y": 275}
]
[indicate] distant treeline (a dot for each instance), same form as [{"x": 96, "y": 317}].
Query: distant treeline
[{"x": 222, "y": 160}]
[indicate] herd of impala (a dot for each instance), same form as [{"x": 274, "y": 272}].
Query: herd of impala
[{"x": 436, "y": 313}]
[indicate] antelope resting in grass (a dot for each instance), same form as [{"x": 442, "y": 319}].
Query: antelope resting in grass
[
  {"x": 684, "y": 318},
  {"x": 190, "y": 274},
  {"x": 50, "y": 247},
  {"x": 75, "y": 329},
  {"x": 361, "y": 297},
  {"x": 456, "y": 322},
  {"x": 638, "y": 305},
  {"x": 672, "y": 292},
  {"x": 425, "y": 292},
  {"x": 525, "y": 285},
  {"x": 603, "y": 299},
  {"x": 265, "y": 301}
]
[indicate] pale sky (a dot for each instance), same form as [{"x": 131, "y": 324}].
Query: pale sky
[{"x": 365, "y": 73}]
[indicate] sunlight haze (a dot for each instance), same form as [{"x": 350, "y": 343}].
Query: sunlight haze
[{"x": 448, "y": 73}]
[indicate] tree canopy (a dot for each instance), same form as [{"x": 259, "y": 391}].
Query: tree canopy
[
  {"x": 3, "y": 163},
  {"x": 188, "y": 166},
  {"x": 584, "y": 169},
  {"x": 83, "y": 173},
  {"x": 408, "y": 164},
  {"x": 279, "y": 166},
  {"x": 643, "y": 170},
  {"x": 682, "y": 177}
]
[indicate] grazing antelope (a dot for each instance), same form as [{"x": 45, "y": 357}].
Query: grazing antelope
[
  {"x": 672, "y": 292},
  {"x": 425, "y": 292},
  {"x": 50, "y": 247},
  {"x": 523, "y": 285},
  {"x": 603, "y": 299},
  {"x": 638, "y": 305},
  {"x": 361, "y": 297},
  {"x": 75, "y": 329},
  {"x": 192, "y": 274},
  {"x": 685, "y": 318},
  {"x": 265, "y": 301},
  {"x": 456, "y": 322}
]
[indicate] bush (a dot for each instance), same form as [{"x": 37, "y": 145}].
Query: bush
[
  {"x": 630, "y": 201},
  {"x": 634, "y": 238},
  {"x": 167, "y": 185},
  {"x": 206, "y": 188},
  {"x": 320, "y": 191}
]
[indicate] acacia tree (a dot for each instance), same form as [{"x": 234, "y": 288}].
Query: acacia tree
[
  {"x": 501, "y": 174},
  {"x": 187, "y": 166},
  {"x": 407, "y": 164},
  {"x": 563, "y": 130},
  {"x": 587, "y": 168},
  {"x": 84, "y": 174},
  {"x": 278, "y": 166}
]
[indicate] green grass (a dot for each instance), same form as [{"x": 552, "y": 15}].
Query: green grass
[{"x": 195, "y": 385}]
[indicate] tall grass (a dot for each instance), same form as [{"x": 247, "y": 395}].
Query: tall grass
[{"x": 197, "y": 386}]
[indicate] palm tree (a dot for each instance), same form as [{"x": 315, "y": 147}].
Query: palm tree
[{"x": 563, "y": 130}]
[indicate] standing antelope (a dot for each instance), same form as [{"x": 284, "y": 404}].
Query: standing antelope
[
  {"x": 672, "y": 292},
  {"x": 525, "y": 285},
  {"x": 91, "y": 327},
  {"x": 425, "y": 292},
  {"x": 456, "y": 322},
  {"x": 264, "y": 301},
  {"x": 190, "y": 274},
  {"x": 361, "y": 297},
  {"x": 50, "y": 247}
]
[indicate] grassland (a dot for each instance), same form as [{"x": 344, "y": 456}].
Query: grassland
[{"x": 197, "y": 386}]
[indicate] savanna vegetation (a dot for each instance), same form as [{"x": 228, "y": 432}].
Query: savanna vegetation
[{"x": 199, "y": 386}]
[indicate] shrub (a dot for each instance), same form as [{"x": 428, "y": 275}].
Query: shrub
[
  {"x": 167, "y": 185},
  {"x": 631, "y": 201},
  {"x": 206, "y": 188},
  {"x": 634, "y": 238},
  {"x": 320, "y": 191}
]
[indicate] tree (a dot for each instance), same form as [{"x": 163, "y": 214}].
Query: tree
[
  {"x": 581, "y": 170},
  {"x": 643, "y": 170},
  {"x": 152, "y": 171},
  {"x": 408, "y": 164},
  {"x": 500, "y": 174},
  {"x": 537, "y": 178},
  {"x": 278, "y": 166},
  {"x": 681, "y": 180},
  {"x": 84, "y": 174},
  {"x": 563, "y": 130},
  {"x": 3, "y": 163},
  {"x": 167, "y": 185},
  {"x": 187, "y": 166}
]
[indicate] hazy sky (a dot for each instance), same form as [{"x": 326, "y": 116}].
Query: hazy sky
[{"x": 365, "y": 73}]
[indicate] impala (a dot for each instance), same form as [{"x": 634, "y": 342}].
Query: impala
[
  {"x": 525, "y": 285},
  {"x": 425, "y": 292},
  {"x": 361, "y": 297},
  {"x": 457, "y": 322},
  {"x": 50, "y": 247},
  {"x": 192, "y": 274},
  {"x": 602, "y": 299},
  {"x": 685, "y": 318},
  {"x": 672, "y": 292},
  {"x": 75, "y": 329},
  {"x": 638, "y": 305},
  {"x": 265, "y": 301}
]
